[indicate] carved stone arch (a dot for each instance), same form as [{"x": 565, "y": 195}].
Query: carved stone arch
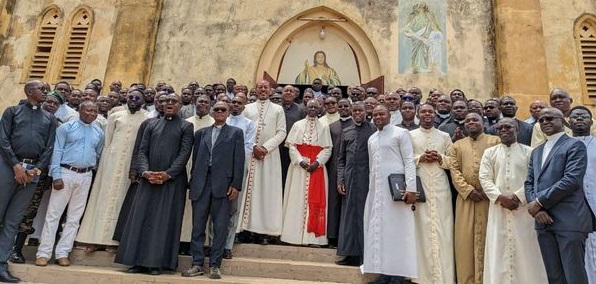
[
  {"x": 367, "y": 59},
  {"x": 585, "y": 36}
]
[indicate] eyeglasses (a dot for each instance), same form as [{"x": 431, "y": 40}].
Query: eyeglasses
[
  {"x": 582, "y": 116},
  {"x": 547, "y": 119},
  {"x": 134, "y": 98},
  {"x": 330, "y": 103},
  {"x": 371, "y": 93},
  {"x": 275, "y": 99},
  {"x": 236, "y": 102},
  {"x": 219, "y": 109},
  {"x": 489, "y": 107},
  {"x": 503, "y": 127},
  {"x": 508, "y": 104},
  {"x": 169, "y": 101}
]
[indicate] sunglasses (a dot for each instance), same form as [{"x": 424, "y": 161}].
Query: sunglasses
[
  {"x": 489, "y": 107},
  {"x": 408, "y": 99},
  {"x": 582, "y": 116},
  {"x": 169, "y": 101},
  {"x": 371, "y": 93},
  {"x": 547, "y": 119},
  {"x": 503, "y": 127},
  {"x": 275, "y": 99},
  {"x": 220, "y": 109},
  {"x": 134, "y": 98}
]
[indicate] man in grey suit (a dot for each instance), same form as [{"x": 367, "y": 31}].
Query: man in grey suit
[
  {"x": 556, "y": 200},
  {"x": 216, "y": 179}
]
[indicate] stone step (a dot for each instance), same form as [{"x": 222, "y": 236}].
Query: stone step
[
  {"x": 246, "y": 265},
  {"x": 76, "y": 274},
  {"x": 297, "y": 253}
]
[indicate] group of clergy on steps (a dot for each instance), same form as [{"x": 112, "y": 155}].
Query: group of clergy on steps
[{"x": 157, "y": 174}]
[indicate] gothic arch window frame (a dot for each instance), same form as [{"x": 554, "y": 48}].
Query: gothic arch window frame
[
  {"x": 585, "y": 38},
  {"x": 45, "y": 48},
  {"x": 367, "y": 59},
  {"x": 75, "y": 45}
]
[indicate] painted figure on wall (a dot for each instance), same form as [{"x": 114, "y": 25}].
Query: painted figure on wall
[
  {"x": 320, "y": 70},
  {"x": 424, "y": 41}
]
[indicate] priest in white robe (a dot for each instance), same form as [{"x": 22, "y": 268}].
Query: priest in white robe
[
  {"x": 305, "y": 200},
  {"x": 331, "y": 113},
  {"x": 112, "y": 180},
  {"x": 434, "y": 218},
  {"x": 512, "y": 253},
  {"x": 261, "y": 211},
  {"x": 389, "y": 226},
  {"x": 200, "y": 120}
]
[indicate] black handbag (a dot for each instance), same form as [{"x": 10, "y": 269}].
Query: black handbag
[{"x": 397, "y": 188}]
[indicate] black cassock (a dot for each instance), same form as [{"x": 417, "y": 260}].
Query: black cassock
[
  {"x": 151, "y": 236},
  {"x": 353, "y": 171},
  {"x": 333, "y": 197}
]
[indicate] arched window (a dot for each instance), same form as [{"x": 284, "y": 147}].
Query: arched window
[
  {"x": 45, "y": 45},
  {"x": 586, "y": 36},
  {"x": 78, "y": 39}
]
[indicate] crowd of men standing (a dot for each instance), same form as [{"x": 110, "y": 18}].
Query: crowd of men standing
[{"x": 148, "y": 174}]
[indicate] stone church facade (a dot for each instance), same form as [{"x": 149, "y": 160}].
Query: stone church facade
[{"x": 486, "y": 48}]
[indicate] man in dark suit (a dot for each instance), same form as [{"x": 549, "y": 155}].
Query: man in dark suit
[
  {"x": 216, "y": 179},
  {"x": 556, "y": 200},
  {"x": 508, "y": 108}
]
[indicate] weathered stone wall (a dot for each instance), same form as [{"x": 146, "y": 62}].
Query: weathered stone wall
[
  {"x": 214, "y": 40},
  {"x": 17, "y": 46},
  {"x": 562, "y": 52}
]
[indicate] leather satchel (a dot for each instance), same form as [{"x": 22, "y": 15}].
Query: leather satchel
[{"x": 397, "y": 188}]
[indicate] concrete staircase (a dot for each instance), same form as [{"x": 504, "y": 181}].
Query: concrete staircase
[{"x": 251, "y": 264}]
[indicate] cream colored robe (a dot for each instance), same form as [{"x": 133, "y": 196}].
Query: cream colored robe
[
  {"x": 470, "y": 216},
  {"x": 512, "y": 253},
  {"x": 329, "y": 118},
  {"x": 295, "y": 207},
  {"x": 185, "y": 235},
  {"x": 111, "y": 182},
  {"x": 434, "y": 218},
  {"x": 261, "y": 210}
]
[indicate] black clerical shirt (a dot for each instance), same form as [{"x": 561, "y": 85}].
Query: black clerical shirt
[{"x": 27, "y": 132}]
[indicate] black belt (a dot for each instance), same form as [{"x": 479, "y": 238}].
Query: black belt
[
  {"x": 76, "y": 170},
  {"x": 29, "y": 161}
]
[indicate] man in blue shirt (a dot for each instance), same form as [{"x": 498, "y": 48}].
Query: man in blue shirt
[{"x": 77, "y": 149}]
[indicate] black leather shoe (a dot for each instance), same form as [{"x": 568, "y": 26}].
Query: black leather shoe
[
  {"x": 264, "y": 241},
  {"x": 155, "y": 271},
  {"x": 6, "y": 277},
  {"x": 16, "y": 257},
  {"x": 227, "y": 254},
  {"x": 136, "y": 269}
]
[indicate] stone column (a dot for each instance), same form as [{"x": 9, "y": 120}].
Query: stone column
[
  {"x": 133, "y": 45},
  {"x": 520, "y": 53}
]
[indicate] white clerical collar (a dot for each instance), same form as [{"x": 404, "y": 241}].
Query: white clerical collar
[
  {"x": 218, "y": 126},
  {"x": 345, "y": 118}
]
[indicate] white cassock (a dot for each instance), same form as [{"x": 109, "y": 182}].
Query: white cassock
[
  {"x": 112, "y": 181},
  {"x": 434, "y": 218},
  {"x": 590, "y": 192},
  {"x": 389, "y": 226},
  {"x": 329, "y": 118},
  {"x": 262, "y": 197},
  {"x": 512, "y": 254},
  {"x": 295, "y": 208},
  {"x": 185, "y": 234}
]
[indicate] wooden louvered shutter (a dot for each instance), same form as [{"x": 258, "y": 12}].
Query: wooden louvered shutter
[
  {"x": 46, "y": 40},
  {"x": 587, "y": 38},
  {"x": 78, "y": 38}
]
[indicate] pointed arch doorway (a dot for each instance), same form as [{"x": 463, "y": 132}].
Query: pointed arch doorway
[{"x": 320, "y": 42}]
